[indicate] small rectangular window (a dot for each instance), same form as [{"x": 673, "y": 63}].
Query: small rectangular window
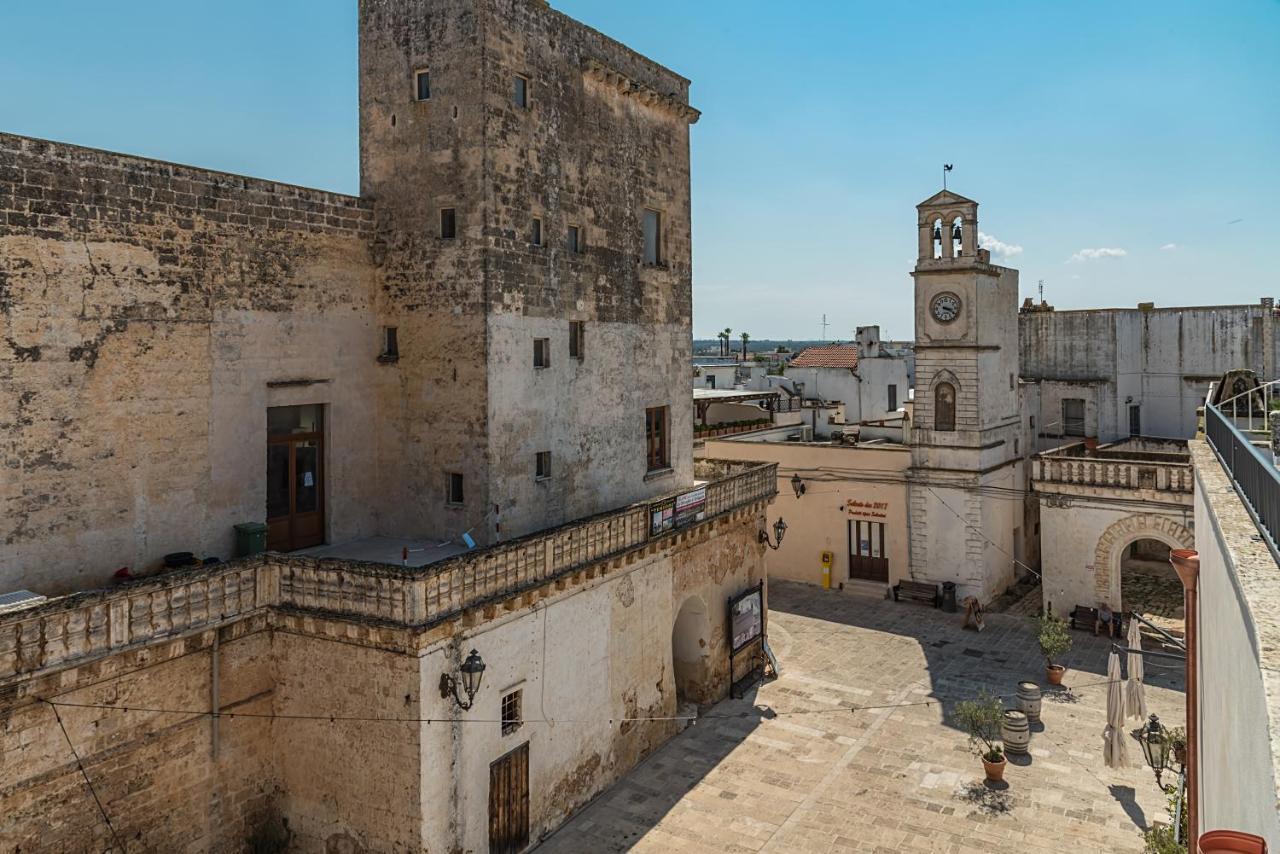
[
  {"x": 536, "y": 236},
  {"x": 1073, "y": 416},
  {"x": 542, "y": 465},
  {"x": 520, "y": 92},
  {"x": 542, "y": 352},
  {"x": 512, "y": 713},
  {"x": 652, "y": 237},
  {"x": 448, "y": 223},
  {"x": 453, "y": 486},
  {"x": 575, "y": 239},
  {"x": 390, "y": 343},
  {"x": 655, "y": 429},
  {"x": 577, "y": 339},
  {"x": 423, "y": 79},
  {"x": 893, "y": 397}
]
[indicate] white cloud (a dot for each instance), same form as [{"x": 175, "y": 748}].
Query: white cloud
[
  {"x": 998, "y": 247},
  {"x": 1095, "y": 254},
  {"x": 1168, "y": 247}
]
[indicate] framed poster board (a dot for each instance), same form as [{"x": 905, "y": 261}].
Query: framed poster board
[
  {"x": 662, "y": 517},
  {"x": 746, "y": 618},
  {"x": 677, "y": 512}
]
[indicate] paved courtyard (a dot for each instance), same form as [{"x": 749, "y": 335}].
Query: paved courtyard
[{"x": 790, "y": 769}]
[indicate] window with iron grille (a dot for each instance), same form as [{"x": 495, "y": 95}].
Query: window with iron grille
[
  {"x": 656, "y": 428},
  {"x": 511, "y": 712}
]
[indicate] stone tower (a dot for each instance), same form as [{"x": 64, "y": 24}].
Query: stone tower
[
  {"x": 530, "y": 179},
  {"x": 968, "y": 437}
]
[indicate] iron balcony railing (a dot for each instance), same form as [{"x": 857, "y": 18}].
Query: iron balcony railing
[{"x": 1253, "y": 471}]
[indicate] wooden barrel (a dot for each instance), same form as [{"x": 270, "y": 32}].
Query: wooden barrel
[
  {"x": 1029, "y": 700},
  {"x": 1016, "y": 732}
]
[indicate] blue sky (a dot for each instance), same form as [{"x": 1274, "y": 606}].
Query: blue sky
[{"x": 1151, "y": 129}]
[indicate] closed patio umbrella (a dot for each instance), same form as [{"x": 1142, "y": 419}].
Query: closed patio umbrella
[
  {"x": 1135, "y": 697},
  {"x": 1115, "y": 752}
]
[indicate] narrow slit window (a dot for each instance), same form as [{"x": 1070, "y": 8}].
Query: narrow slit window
[
  {"x": 577, "y": 338},
  {"x": 542, "y": 352},
  {"x": 453, "y": 486},
  {"x": 422, "y": 81},
  {"x": 652, "y": 237},
  {"x": 575, "y": 239},
  {"x": 536, "y": 235},
  {"x": 656, "y": 428},
  {"x": 448, "y": 223},
  {"x": 520, "y": 92},
  {"x": 542, "y": 465},
  {"x": 390, "y": 343}
]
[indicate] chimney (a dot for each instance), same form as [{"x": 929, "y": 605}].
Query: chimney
[{"x": 868, "y": 338}]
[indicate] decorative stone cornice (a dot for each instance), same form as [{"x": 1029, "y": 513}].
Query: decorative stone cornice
[{"x": 614, "y": 79}]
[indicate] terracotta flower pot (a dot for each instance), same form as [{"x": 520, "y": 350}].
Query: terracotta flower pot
[
  {"x": 994, "y": 770},
  {"x": 1231, "y": 842},
  {"x": 1054, "y": 673}
]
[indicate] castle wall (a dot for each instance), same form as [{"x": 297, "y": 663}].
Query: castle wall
[{"x": 145, "y": 308}]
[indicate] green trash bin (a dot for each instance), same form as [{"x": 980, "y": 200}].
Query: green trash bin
[{"x": 251, "y": 538}]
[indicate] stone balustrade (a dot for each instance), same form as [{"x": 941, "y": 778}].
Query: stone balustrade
[
  {"x": 67, "y": 630},
  {"x": 1113, "y": 474}
]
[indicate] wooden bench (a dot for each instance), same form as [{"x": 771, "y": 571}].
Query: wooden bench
[
  {"x": 917, "y": 591},
  {"x": 1091, "y": 620}
]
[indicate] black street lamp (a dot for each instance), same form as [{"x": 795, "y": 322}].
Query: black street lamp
[
  {"x": 797, "y": 484},
  {"x": 779, "y": 529},
  {"x": 472, "y": 671},
  {"x": 1154, "y": 739}
]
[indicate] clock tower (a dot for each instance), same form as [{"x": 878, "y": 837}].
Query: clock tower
[{"x": 969, "y": 437}]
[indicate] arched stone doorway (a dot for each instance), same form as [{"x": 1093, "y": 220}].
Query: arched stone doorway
[
  {"x": 690, "y": 642},
  {"x": 1149, "y": 585},
  {"x": 1152, "y": 534}
]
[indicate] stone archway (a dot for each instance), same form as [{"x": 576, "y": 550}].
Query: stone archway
[
  {"x": 690, "y": 645},
  {"x": 1119, "y": 536}
]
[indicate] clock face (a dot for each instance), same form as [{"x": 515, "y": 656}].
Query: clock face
[{"x": 945, "y": 307}]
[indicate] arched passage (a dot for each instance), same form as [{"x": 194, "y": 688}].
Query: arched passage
[
  {"x": 1148, "y": 584},
  {"x": 1116, "y": 545},
  {"x": 690, "y": 642}
]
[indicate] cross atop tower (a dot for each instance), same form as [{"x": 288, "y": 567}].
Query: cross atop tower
[{"x": 948, "y": 224}]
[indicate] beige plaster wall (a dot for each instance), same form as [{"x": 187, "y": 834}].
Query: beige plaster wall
[{"x": 818, "y": 521}]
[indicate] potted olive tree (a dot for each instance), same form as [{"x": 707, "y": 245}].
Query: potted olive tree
[
  {"x": 980, "y": 718},
  {"x": 1054, "y": 643}
]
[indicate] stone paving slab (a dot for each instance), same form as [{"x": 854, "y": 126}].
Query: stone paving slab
[{"x": 790, "y": 769}]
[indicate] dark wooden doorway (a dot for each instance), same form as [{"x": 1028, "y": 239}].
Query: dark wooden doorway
[
  {"x": 867, "y": 558},
  {"x": 509, "y": 802},
  {"x": 295, "y": 477}
]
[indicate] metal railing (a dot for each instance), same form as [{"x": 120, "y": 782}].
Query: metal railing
[{"x": 1253, "y": 472}]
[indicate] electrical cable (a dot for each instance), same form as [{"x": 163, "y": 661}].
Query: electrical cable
[{"x": 85, "y": 774}]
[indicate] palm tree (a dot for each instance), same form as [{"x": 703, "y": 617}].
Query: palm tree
[
  {"x": 745, "y": 339},
  {"x": 724, "y": 341}
]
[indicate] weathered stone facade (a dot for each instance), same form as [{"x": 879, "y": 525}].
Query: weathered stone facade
[
  {"x": 331, "y": 728},
  {"x": 150, "y": 313}
]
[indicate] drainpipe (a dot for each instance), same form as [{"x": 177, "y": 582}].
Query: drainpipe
[{"x": 1187, "y": 564}]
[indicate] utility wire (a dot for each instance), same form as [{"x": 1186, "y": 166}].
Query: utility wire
[
  {"x": 83, "y": 773},
  {"x": 854, "y": 709}
]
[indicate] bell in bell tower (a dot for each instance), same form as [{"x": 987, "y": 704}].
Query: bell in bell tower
[{"x": 948, "y": 224}]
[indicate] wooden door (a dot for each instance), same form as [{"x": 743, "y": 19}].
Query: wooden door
[
  {"x": 295, "y": 478},
  {"x": 868, "y": 560},
  {"x": 509, "y": 802}
]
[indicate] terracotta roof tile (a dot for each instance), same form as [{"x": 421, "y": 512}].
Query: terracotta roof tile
[{"x": 827, "y": 356}]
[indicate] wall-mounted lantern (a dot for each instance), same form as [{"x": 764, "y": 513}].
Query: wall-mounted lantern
[
  {"x": 472, "y": 671},
  {"x": 1155, "y": 747},
  {"x": 797, "y": 484},
  {"x": 779, "y": 529}
]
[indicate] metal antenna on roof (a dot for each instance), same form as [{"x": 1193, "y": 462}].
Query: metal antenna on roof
[
  {"x": 1042, "y": 291},
  {"x": 824, "y": 328}
]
